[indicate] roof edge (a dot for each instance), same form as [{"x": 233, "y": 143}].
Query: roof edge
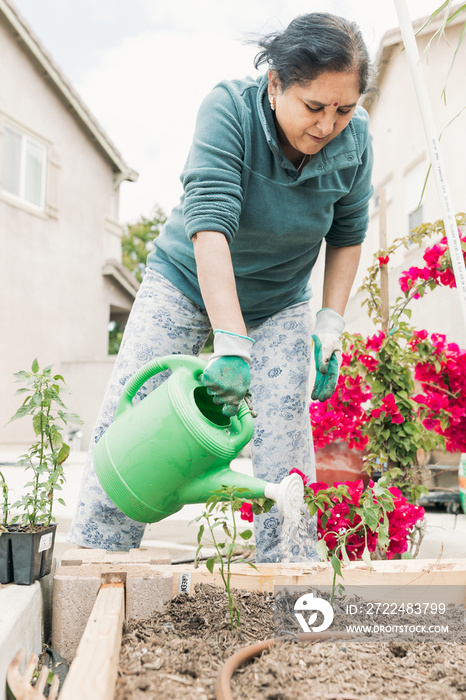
[
  {"x": 113, "y": 268},
  {"x": 54, "y": 73},
  {"x": 392, "y": 38}
]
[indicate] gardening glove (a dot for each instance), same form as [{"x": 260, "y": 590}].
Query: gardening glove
[
  {"x": 327, "y": 352},
  {"x": 227, "y": 375}
]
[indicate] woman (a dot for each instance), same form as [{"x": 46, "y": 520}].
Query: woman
[{"x": 277, "y": 165}]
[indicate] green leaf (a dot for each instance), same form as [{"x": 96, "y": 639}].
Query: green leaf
[
  {"x": 366, "y": 557},
  {"x": 200, "y": 533},
  {"x": 322, "y": 549},
  {"x": 345, "y": 556},
  {"x": 63, "y": 454},
  {"x": 38, "y": 421},
  {"x": 210, "y": 564},
  {"x": 56, "y": 437},
  {"x": 383, "y": 539},
  {"x": 20, "y": 413},
  {"x": 246, "y": 534},
  {"x": 21, "y": 376},
  {"x": 336, "y": 565},
  {"x": 371, "y": 515},
  {"x": 35, "y": 366}
]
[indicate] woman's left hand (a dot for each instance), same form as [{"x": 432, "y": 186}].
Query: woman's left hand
[{"x": 327, "y": 352}]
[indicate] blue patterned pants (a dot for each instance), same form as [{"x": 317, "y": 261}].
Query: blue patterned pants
[{"x": 165, "y": 322}]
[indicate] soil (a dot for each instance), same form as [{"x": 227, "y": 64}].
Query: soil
[{"x": 179, "y": 654}]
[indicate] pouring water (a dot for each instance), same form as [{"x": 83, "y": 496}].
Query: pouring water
[{"x": 299, "y": 530}]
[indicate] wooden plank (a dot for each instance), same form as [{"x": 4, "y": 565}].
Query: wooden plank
[
  {"x": 409, "y": 572},
  {"x": 93, "y": 673}
]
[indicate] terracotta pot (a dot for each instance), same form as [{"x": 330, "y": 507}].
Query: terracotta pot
[{"x": 337, "y": 462}]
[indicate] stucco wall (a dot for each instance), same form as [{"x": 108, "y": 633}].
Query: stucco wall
[
  {"x": 399, "y": 143},
  {"x": 55, "y": 301}
]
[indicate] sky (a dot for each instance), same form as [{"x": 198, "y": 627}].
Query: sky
[{"x": 143, "y": 67}]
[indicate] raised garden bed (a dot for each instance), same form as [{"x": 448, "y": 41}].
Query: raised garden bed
[{"x": 180, "y": 653}]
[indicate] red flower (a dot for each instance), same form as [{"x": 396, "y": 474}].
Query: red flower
[
  {"x": 303, "y": 476},
  {"x": 390, "y": 408},
  {"x": 375, "y": 342},
  {"x": 246, "y": 512},
  {"x": 355, "y": 489},
  {"x": 383, "y": 260},
  {"x": 318, "y": 486},
  {"x": 369, "y": 362}
]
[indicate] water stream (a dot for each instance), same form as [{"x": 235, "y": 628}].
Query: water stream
[{"x": 299, "y": 533}]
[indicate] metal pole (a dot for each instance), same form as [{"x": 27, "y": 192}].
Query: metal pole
[
  {"x": 451, "y": 228},
  {"x": 384, "y": 298}
]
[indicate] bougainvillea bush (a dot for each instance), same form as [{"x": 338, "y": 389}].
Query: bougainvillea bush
[
  {"x": 401, "y": 391},
  {"x": 354, "y": 522}
]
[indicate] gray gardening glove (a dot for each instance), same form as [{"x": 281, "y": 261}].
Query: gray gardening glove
[{"x": 227, "y": 375}]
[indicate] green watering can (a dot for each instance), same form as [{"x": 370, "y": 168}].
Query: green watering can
[{"x": 175, "y": 446}]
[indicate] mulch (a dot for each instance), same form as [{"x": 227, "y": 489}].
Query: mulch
[{"x": 178, "y": 654}]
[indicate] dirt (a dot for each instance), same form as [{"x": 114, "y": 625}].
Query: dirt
[{"x": 179, "y": 654}]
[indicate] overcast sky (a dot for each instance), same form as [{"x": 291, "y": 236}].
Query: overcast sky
[{"x": 143, "y": 66}]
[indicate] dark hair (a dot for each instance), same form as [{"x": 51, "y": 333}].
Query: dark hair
[{"x": 313, "y": 44}]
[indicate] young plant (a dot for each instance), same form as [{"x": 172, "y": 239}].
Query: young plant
[
  {"x": 220, "y": 519},
  {"x": 45, "y": 457},
  {"x": 5, "y": 504}
]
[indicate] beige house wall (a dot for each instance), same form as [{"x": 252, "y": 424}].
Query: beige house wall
[
  {"x": 55, "y": 301},
  {"x": 399, "y": 145}
]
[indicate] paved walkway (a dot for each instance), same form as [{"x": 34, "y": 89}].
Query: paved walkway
[{"x": 445, "y": 533}]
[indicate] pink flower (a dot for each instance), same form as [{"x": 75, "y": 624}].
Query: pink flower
[
  {"x": 246, "y": 512},
  {"x": 375, "y": 342},
  {"x": 390, "y": 408},
  {"x": 383, "y": 260},
  {"x": 355, "y": 489},
  {"x": 318, "y": 486},
  {"x": 369, "y": 362},
  {"x": 433, "y": 254},
  {"x": 303, "y": 476},
  {"x": 418, "y": 337}
]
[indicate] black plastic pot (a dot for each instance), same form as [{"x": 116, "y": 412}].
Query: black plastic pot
[{"x": 26, "y": 556}]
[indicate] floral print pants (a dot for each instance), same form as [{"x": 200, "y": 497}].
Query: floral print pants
[{"x": 165, "y": 322}]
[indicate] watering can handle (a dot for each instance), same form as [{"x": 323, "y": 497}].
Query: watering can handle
[
  {"x": 153, "y": 367},
  {"x": 173, "y": 362}
]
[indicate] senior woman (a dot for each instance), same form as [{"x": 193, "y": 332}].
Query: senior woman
[{"x": 277, "y": 165}]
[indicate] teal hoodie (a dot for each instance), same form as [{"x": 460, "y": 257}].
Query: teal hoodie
[{"x": 237, "y": 181}]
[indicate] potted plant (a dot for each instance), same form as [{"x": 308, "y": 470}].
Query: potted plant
[{"x": 27, "y": 539}]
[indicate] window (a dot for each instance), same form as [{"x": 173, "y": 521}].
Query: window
[
  {"x": 23, "y": 171},
  {"x": 414, "y": 183}
]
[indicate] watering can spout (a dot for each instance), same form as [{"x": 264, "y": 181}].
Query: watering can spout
[{"x": 287, "y": 493}]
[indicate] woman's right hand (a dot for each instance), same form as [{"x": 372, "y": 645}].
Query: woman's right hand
[{"x": 227, "y": 375}]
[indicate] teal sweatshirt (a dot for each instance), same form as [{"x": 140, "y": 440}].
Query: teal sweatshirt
[{"x": 237, "y": 181}]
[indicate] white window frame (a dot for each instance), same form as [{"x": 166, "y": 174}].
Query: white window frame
[{"x": 25, "y": 139}]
